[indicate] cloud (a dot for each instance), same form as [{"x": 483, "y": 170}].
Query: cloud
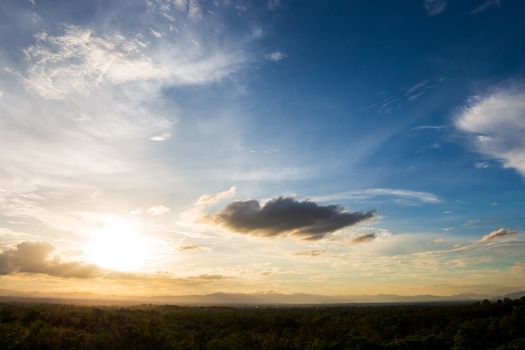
[
  {"x": 496, "y": 124},
  {"x": 502, "y": 232},
  {"x": 160, "y": 137},
  {"x": 367, "y": 234},
  {"x": 79, "y": 60},
  {"x": 181, "y": 5},
  {"x": 159, "y": 210},
  {"x": 285, "y": 215},
  {"x": 191, "y": 9},
  {"x": 484, "y": 6},
  {"x": 391, "y": 102},
  {"x": 429, "y": 127},
  {"x": 208, "y": 277},
  {"x": 82, "y": 103},
  {"x": 399, "y": 195},
  {"x": 419, "y": 89},
  {"x": 434, "y": 7},
  {"x": 188, "y": 247},
  {"x": 194, "y": 10},
  {"x": 481, "y": 165},
  {"x": 275, "y": 56},
  {"x": 84, "y": 97},
  {"x": 272, "y": 174},
  {"x": 366, "y": 237},
  {"x": 137, "y": 211},
  {"x": 472, "y": 223},
  {"x": 33, "y": 257},
  {"x": 155, "y": 33},
  {"x": 315, "y": 252},
  {"x": 214, "y": 197}
]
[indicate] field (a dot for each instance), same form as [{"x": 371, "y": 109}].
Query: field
[{"x": 481, "y": 325}]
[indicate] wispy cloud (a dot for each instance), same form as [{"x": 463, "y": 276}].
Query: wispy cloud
[
  {"x": 482, "y": 165},
  {"x": 417, "y": 90},
  {"x": 366, "y": 237},
  {"x": 496, "y": 123},
  {"x": 214, "y": 197},
  {"x": 85, "y": 99},
  {"x": 78, "y": 61},
  {"x": 159, "y": 210},
  {"x": 485, "y": 6},
  {"x": 363, "y": 234},
  {"x": 502, "y": 232},
  {"x": 315, "y": 252},
  {"x": 188, "y": 247},
  {"x": 434, "y": 7},
  {"x": 429, "y": 127},
  {"x": 396, "y": 101},
  {"x": 275, "y": 56},
  {"x": 410, "y": 197},
  {"x": 191, "y": 9}
]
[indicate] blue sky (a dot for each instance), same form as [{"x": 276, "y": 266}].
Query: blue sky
[{"x": 262, "y": 142}]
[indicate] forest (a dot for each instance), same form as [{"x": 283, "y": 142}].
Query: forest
[{"x": 481, "y": 325}]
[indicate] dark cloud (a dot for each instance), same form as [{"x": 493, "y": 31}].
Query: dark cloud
[
  {"x": 33, "y": 257},
  {"x": 285, "y": 215},
  {"x": 497, "y": 234},
  {"x": 315, "y": 252},
  {"x": 365, "y": 237}
]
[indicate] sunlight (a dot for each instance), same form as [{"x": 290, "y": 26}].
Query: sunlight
[{"x": 119, "y": 245}]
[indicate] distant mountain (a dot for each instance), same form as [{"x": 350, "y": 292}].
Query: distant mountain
[
  {"x": 302, "y": 299},
  {"x": 268, "y": 298},
  {"x": 515, "y": 295}
]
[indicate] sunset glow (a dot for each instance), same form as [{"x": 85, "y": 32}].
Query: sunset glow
[
  {"x": 358, "y": 149},
  {"x": 120, "y": 246}
]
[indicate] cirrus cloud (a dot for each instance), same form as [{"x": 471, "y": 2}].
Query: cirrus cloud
[
  {"x": 400, "y": 196},
  {"x": 80, "y": 60},
  {"x": 484, "y": 6}
]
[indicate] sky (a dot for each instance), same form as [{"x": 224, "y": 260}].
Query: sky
[{"x": 173, "y": 147}]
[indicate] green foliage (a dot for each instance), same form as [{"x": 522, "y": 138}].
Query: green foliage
[{"x": 498, "y": 325}]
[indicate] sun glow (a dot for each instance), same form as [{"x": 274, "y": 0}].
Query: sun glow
[{"x": 119, "y": 245}]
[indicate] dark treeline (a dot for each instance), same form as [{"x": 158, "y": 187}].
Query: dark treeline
[{"x": 481, "y": 325}]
